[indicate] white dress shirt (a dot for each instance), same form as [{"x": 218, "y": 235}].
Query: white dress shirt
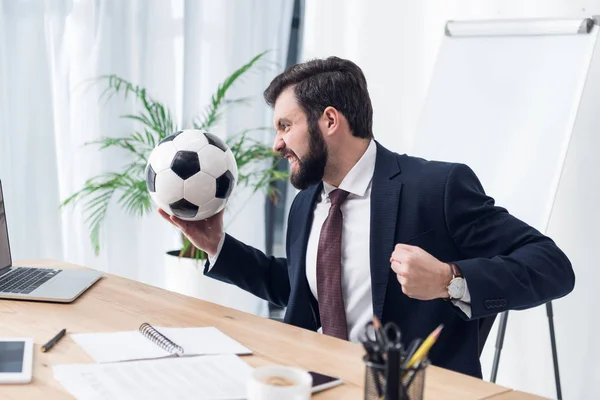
[{"x": 356, "y": 231}]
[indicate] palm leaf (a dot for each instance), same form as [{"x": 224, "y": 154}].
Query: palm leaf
[
  {"x": 97, "y": 193},
  {"x": 212, "y": 110}
]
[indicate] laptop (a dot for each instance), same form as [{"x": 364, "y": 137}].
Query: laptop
[{"x": 41, "y": 284}]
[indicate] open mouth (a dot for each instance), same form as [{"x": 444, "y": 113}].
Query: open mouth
[{"x": 292, "y": 160}]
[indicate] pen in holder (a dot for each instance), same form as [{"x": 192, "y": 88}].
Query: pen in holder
[{"x": 410, "y": 382}]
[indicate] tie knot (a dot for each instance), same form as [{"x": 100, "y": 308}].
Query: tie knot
[{"x": 337, "y": 196}]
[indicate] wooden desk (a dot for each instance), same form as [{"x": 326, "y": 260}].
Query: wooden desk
[
  {"x": 116, "y": 304},
  {"x": 516, "y": 395}
]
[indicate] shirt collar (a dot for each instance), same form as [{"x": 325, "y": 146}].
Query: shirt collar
[{"x": 358, "y": 179}]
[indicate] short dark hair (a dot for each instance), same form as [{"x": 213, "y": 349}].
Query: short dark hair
[{"x": 321, "y": 83}]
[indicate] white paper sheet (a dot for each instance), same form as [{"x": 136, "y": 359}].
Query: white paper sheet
[
  {"x": 207, "y": 340},
  {"x": 132, "y": 345},
  {"x": 207, "y": 377}
]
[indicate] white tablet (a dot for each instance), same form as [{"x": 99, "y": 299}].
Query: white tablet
[{"x": 16, "y": 360}]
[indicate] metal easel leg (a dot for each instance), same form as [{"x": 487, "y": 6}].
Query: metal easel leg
[
  {"x": 499, "y": 343},
  {"x": 554, "y": 352}
]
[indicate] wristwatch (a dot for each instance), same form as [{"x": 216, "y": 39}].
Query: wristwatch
[{"x": 456, "y": 287}]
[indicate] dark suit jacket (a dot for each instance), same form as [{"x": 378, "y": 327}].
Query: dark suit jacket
[{"x": 442, "y": 208}]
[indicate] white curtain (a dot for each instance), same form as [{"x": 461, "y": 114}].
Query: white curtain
[
  {"x": 396, "y": 44},
  {"x": 180, "y": 50}
]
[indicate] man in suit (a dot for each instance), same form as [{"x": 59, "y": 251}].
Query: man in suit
[{"x": 373, "y": 232}]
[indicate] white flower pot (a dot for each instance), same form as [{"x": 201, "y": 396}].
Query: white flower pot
[{"x": 186, "y": 276}]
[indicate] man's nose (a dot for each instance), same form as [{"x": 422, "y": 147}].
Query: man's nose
[{"x": 278, "y": 144}]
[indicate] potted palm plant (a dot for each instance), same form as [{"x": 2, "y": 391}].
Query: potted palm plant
[{"x": 257, "y": 170}]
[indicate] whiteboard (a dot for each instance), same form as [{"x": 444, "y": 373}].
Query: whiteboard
[{"x": 505, "y": 104}]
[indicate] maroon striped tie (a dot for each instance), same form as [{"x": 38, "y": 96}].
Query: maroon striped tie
[{"x": 329, "y": 270}]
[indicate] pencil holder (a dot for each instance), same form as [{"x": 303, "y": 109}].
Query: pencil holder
[{"x": 412, "y": 381}]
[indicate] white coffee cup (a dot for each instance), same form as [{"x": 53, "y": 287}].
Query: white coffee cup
[{"x": 278, "y": 382}]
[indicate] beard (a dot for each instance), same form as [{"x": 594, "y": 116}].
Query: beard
[{"x": 311, "y": 168}]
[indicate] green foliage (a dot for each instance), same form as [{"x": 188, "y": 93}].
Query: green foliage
[{"x": 156, "y": 123}]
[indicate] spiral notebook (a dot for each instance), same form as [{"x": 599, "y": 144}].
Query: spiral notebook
[{"x": 157, "y": 342}]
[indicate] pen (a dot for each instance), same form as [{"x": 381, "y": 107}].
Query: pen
[
  {"x": 424, "y": 349},
  {"x": 412, "y": 348},
  {"x": 53, "y": 341}
]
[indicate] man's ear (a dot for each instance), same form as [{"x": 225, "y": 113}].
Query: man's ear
[{"x": 330, "y": 121}]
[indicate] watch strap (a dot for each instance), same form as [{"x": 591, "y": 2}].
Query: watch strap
[{"x": 456, "y": 273}]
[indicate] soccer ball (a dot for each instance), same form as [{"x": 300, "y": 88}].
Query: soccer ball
[{"x": 191, "y": 174}]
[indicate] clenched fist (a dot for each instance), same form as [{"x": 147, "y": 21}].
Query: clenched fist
[{"x": 421, "y": 275}]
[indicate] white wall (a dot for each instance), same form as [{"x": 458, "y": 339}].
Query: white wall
[{"x": 396, "y": 44}]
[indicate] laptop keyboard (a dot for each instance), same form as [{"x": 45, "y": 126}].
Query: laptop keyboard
[{"x": 25, "y": 280}]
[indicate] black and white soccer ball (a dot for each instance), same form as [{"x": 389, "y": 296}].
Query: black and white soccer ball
[{"x": 191, "y": 174}]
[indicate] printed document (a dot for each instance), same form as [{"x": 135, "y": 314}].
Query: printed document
[{"x": 205, "y": 377}]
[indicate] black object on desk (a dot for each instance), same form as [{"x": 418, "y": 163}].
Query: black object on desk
[
  {"x": 392, "y": 374},
  {"x": 389, "y": 375},
  {"x": 53, "y": 341}
]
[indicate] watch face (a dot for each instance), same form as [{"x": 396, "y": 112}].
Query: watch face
[{"x": 456, "y": 289}]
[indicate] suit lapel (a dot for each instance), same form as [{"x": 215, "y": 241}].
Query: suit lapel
[
  {"x": 305, "y": 209},
  {"x": 385, "y": 199},
  {"x": 298, "y": 247}
]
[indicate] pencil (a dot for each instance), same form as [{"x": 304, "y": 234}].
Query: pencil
[{"x": 424, "y": 348}]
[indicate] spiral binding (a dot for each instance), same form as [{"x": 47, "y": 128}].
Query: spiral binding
[{"x": 159, "y": 339}]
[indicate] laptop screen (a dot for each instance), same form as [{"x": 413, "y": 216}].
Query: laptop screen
[{"x": 5, "y": 260}]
